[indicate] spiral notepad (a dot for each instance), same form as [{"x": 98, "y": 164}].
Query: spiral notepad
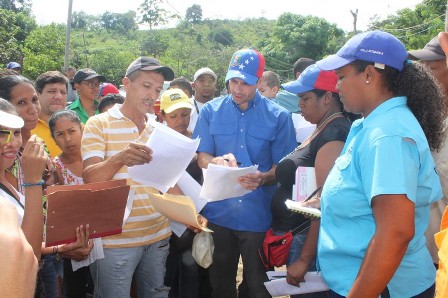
[{"x": 297, "y": 207}]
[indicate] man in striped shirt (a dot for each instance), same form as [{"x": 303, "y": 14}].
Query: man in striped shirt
[{"x": 112, "y": 142}]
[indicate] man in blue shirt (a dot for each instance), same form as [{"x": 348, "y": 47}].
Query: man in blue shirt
[{"x": 242, "y": 128}]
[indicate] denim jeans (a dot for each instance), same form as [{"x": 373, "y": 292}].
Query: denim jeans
[
  {"x": 112, "y": 276},
  {"x": 51, "y": 275}
]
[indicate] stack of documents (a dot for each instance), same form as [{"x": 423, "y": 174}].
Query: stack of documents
[
  {"x": 277, "y": 286},
  {"x": 172, "y": 152},
  {"x": 221, "y": 182}
]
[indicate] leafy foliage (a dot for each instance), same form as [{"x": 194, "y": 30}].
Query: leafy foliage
[
  {"x": 154, "y": 14},
  {"x": 414, "y": 27},
  {"x": 44, "y": 50},
  {"x": 14, "y": 28},
  {"x": 194, "y": 14},
  {"x": 16, "y": 5},
  {"x": 295, "y": 36}
]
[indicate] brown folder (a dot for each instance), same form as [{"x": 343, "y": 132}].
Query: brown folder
[{"x": 100, "y": 204}]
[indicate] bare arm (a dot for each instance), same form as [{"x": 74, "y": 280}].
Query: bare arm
[
  {"x": 387, "y": 246},
  {"x": 19, "y": 263},
  {"x": 34, "y": 160},
  {"x": 325, "y": 159},
  {"x": 97, "y": 169}
]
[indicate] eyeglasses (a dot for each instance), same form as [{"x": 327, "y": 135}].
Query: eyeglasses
[
  {"x": 91, "y": 84},
  {"x": 5, "y": 136}
]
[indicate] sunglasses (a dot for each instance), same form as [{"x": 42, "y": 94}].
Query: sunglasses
[{"x": 5, "y": 136}]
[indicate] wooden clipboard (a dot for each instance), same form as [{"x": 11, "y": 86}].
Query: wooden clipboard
[{"x": 100, "y": 204}]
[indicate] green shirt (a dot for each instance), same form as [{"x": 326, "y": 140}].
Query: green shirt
[{"x": 78, "y": 109}]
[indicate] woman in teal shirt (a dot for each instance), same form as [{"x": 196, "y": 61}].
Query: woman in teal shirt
[{"x": 375, "y": 202}]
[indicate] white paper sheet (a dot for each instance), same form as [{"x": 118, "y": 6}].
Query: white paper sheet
[
  {"x": 302, "y": 127},
  {"x": 172, "y": 152},
  {"x": 221, "y": 182},
  {"x": 97, "y": 253},
  {"x": 191, "y": 188},
  {"x": 279, "y": 287}
]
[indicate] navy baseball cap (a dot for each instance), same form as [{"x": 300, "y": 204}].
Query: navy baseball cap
[
  {"x": 149, "y": 63},
  {"x": 87, "y": 74},
  {"x": 12, "y": 65},
  {"x": 431, "y": 52},
  {"x": 247, "y": 65},
  {"x": 313, "y": 78},
  {"x": 379, "y": 47}
]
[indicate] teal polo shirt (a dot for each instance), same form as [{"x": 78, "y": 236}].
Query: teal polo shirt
[{"x": 78, "y": 109}]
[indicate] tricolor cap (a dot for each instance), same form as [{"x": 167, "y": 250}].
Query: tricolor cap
[
  {"x": 247, "y": 65},
  {"x": 313, "y": 78},
  {"x": 379, "y": 47}
]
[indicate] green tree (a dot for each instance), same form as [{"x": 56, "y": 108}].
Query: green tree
[
  {"x": 14, "y": 28},
  {"x": 16, "y": 5},
  {"x": 194, "y": 14},
  {"x": 414, "y": 27},
  {"x": 44, "y": 50},
  {"x": 119, "y": 22},
  {"x": 153, "y": 14},
  {"x": 154, "y": 44},
  {"x": 296, "y": 36},
  {"x": 84, "y": 21},
  {"x": 221, "y": 36},
  {"x": 111, "y": 63}
]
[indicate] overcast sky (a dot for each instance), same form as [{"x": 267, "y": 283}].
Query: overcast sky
[{"x": 48, "y": 11}]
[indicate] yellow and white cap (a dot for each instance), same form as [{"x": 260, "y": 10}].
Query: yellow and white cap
[{"x": 174, "y": 99}]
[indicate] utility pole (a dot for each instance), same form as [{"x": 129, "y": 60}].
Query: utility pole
[
  {"x": 355, "y": 19},
  {"x": 446, "y": 17},
  {"x": 67, "y": 35}
]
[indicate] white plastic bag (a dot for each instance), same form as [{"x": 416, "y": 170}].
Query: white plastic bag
[{"x": 203, "y": 248}]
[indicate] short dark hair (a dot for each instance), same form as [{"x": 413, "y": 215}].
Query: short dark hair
[
  {"x": 50, "y": 77},
  {"x": 301, "y": 64},
  {"x": 110, "y": 99},
  {"x": 183, "y": 84}
]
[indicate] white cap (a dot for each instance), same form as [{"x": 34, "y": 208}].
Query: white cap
[
  {"x": 204, "y": 70},
  {"x": 10, "y": 120}
]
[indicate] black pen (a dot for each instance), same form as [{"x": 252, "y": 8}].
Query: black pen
[
  {"x": 237, "y": 163},
  {"x": 312, "y": 194}
]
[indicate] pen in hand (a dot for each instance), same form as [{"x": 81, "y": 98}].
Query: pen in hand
[
  {"x": 312, "y": 194},
  {"x": 237, "y": 163}
]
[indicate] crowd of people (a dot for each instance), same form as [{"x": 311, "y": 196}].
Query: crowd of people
[{"x": 378, "y": 149}]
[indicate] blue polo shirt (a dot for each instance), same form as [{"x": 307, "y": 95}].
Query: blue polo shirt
[
  {"x": 260, "y": 135},
  {"x": 385, "y": 153}
]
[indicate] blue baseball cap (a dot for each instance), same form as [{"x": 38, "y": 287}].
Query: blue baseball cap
[
  {"x": 12, "y": 65},
  {"x": 247, "y": 65},
  {"x": 379, "y": 47},
  {"x": 313, "y": 78}
]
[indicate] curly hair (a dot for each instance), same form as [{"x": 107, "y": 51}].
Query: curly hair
[{"x": 425, "y": 97}]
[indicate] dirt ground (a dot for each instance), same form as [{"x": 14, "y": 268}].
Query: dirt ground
[{"x": 239, "y": 275}]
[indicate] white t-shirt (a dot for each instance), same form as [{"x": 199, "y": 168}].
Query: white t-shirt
[
  {"x": 197, "y": 107},
  {"x": 20, "y": 211}
]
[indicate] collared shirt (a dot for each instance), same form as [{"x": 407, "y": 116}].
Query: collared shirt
[
  {"x": 261, "y": 135},
  {"x": 104, "y": 136},
  {"x": 385, "y": 153},
  {"x": 43, "y": 131},
  {"x": 77, "y": 107},
  {"x": 288, "y": 100}
]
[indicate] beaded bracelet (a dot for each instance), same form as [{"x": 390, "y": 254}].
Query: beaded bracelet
[{"x": 40, "y": 183}]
